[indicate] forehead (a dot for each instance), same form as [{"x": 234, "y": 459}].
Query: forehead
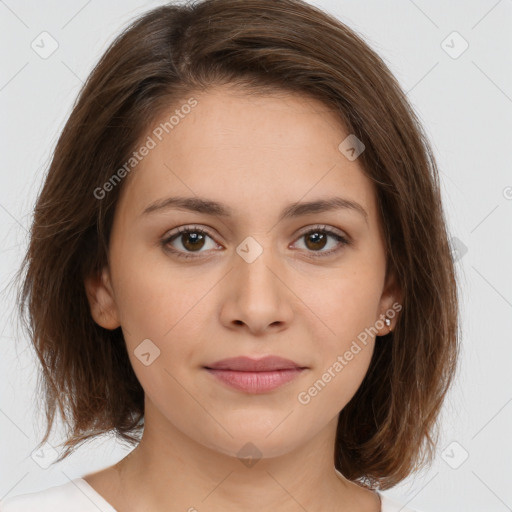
[{"x": 245, "y": 149}]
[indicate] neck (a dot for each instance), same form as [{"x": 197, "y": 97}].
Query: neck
[{"x": 170, "y": 471}]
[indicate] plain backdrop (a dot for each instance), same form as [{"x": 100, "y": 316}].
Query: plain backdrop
[{"x": 454, "y": 61}]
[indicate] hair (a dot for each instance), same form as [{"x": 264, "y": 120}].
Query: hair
[{"x": 390, "y": 427}]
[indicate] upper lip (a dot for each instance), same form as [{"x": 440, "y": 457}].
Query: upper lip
[{"x": 248, "y": 364}]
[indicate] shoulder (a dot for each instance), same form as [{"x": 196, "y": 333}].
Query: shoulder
[
  {"x": 390, "y": 505},
  {"x": 72, "y": 495}
]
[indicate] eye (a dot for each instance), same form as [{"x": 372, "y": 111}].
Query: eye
[
  {"x": 317, "y": 238},
  {"x": 192, "y": 239}
]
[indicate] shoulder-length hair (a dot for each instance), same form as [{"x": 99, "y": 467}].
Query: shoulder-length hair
[{"x": 390, "y": 427}]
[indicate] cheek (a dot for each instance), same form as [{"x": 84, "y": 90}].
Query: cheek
[
  {"x": 154, "y": 299},
  {"x": 344, "y": 336},
  {"x": 161, "y": 322},
  {"x": 169, "y": 309},
  {"x": 335, "y": 385},
  {"x": 343, "y": 359},
  {"x": 346, "y": 306}
]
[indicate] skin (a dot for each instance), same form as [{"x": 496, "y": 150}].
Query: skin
[{"x": 256, "y": 154}]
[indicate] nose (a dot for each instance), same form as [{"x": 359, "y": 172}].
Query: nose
[{"x": 257, "y": 296}]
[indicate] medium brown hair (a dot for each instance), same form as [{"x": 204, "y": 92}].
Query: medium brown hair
[{"x": 390, "y": 427}]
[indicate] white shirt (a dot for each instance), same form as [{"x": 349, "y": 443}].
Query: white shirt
[{"x": 79, "y": 496}]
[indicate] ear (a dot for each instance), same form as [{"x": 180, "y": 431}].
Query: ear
[
  {"x": 101, "y": 300},
  {"x": 390, "y": 304}
]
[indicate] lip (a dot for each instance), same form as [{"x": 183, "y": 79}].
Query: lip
[
  {"x": 255, "y": 375},
  {"x": 248, "y": 364}
]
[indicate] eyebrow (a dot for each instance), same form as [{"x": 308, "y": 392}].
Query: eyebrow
[{"x": 214, "y": 208}]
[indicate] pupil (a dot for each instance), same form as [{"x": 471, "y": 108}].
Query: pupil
[
  {"x": 195, "y": 238},
  {"x": 317, "y": 238}
]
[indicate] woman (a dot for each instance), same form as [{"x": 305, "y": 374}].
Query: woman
[{"x": 239, "y": 263}]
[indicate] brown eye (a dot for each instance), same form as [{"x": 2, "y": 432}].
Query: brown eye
[
  {"x": 191, "y": 240},
  {"x": 318, "y": 238}
]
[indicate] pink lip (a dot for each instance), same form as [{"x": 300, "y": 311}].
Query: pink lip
[
  {"x": 255, "y": 375},
  {"x": 248, "y": 364},
  {"x": 256, "y": 382}
]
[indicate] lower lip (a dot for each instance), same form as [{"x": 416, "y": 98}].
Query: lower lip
[{"x": 256, "y": 382}]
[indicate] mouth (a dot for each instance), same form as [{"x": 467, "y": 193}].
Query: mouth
[
  {"x": 255, "y": 375},
  {"x": 248, "y": 364}
]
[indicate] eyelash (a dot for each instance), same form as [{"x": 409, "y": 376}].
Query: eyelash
[{"x": 317, "y": 229}]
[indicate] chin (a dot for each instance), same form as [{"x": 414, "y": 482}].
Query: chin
[
  {"x": 252, "y": 449},
  {"x": 254, "y": 442}
]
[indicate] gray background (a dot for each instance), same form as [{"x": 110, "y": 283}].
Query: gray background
[{"x": 465, "y": 104}]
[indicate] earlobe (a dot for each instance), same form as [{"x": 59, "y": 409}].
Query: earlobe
[
  {"x": 101, "y": 300},
  {"x": 390, "y": 305}
]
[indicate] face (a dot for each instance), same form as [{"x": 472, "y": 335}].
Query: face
[{"x": 308, "y": 286}]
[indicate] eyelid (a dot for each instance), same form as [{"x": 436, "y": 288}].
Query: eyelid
[{"x": 324, "y": 227}]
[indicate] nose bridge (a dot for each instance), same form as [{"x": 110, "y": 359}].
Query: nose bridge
[
  {"x": 256, "y": 265},
  {"x": 259, "y": 296}
]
